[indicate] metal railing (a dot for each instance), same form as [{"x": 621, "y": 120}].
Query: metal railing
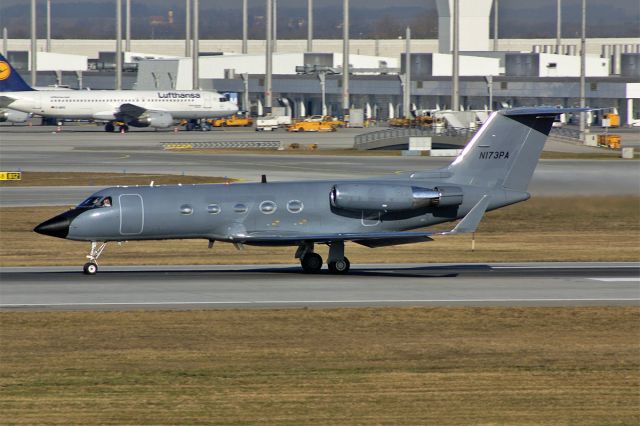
[{"x": 380, "y": 135}]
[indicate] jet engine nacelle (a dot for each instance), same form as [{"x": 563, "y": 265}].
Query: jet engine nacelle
[
  {"x": 392, "y": 198},
  {"x": 153, "y": 119},
  {"x": 13, "y": 116}
]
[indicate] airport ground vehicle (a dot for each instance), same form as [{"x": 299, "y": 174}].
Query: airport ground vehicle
[
  {"x": 233, "y": 121},
  {"x": 311, "y": 126},
  {"x": 609, "y": 141}
]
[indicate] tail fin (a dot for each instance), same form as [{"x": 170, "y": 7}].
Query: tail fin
[
  {"x": 506, "y": 149},
  {"x": 10, "y": 80}
]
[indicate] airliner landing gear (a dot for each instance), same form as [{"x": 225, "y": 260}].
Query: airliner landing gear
[
  {"x": 109, "y": 127},
  {"x": 91, "y": 267},
  {"x": 124, "y": 128}
]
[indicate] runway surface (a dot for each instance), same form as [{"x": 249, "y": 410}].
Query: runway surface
[{"x": 260, "y": 286}]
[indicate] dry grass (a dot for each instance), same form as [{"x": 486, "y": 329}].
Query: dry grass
[
  {"x": 348, "y": 366},
  {"x": 105, "y": 179},
  {"x": 541, "y": 229}
]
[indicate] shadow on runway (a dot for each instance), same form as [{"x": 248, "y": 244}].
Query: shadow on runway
[{"x": 148, "y": 273}]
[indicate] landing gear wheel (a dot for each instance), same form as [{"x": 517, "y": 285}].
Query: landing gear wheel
[
  {"x": 339, "y": 266},
  {"x": 311, "y": 263},
  {"x": 124, "y": 128},
  {"x": 90, "y": 268},
  {"x": 109, "y": 127}
]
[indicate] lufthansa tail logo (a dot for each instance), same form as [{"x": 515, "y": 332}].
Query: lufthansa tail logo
[{"x": 5, "y": 70}]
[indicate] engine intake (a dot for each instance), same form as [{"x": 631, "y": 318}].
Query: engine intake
[{"x": 391, "y": 198}]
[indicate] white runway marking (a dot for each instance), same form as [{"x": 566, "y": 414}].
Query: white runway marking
[
  {"x": 310, "y": 302},
  {"x": 621, "y": 279}
]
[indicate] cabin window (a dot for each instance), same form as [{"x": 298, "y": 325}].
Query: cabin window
[
  {"x": 186, "y": 209},
  {"x": 240, "y": 208},
  {"x": 268, "y": 207},
  {"x": 295, "y": 206},
  {"x": 214, "y": 209}
]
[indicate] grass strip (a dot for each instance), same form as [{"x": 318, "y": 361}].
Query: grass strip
[
  {"x": 106, "y": 179},
  {"x": 344, "y": 366}
]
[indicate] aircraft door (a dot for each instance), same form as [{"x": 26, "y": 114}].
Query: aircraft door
[
  {"x": 131, "y": 214},
  {"x": 207, "y": 100}
]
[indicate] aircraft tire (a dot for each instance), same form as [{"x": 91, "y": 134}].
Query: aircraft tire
[
  {"x": 311, "y": 263},
  {"x": 339, "y": 267},
  {"x": 90, "y": 268},
  {"x": 109, "y": 127}
]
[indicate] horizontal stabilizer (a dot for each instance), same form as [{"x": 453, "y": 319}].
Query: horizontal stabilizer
[
  {"x": 542, "y": 111},
  {"x": 470, "y": 222}
]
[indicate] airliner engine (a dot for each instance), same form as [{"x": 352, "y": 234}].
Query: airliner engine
[
  {"x": 13, "y": 116},
  {"x": 153, "y": 119},
  {"x": 392, "y": 198}
]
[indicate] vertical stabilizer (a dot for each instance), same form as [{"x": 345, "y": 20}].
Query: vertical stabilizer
[
  {"x": 506, "y": 149},
  {"x": 10, "y": 80}
]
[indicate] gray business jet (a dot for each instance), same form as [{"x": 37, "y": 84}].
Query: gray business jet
[{"x": 492, "y": 171}]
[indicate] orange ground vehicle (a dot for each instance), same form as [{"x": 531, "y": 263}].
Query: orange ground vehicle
[
  {"x": 311, "y": 126},
  {"x": 233, "y": 121}
]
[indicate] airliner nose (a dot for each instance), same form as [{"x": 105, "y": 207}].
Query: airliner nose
[{"x": 55, "y": 227}]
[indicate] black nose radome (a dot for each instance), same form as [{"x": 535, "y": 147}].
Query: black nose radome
[{"x": 55, "y": 227}]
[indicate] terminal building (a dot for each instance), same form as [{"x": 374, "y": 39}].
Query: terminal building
[{"x": 517, "y": 73}]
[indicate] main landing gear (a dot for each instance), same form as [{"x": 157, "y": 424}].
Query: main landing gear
[
  {"x": 311, "y": 262},
  {"x": 110, "y": 127},
  {"x": 91, "y": 267}
]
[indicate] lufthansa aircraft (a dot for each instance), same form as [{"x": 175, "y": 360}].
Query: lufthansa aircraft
[
  {"x": 492, "y": 171},
  {"x": 137, "y": 108}
]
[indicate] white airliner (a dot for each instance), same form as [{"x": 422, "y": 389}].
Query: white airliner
[{"x": 137, "y": 108}]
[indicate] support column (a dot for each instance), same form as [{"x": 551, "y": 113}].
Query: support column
[
  {"x": 34, "y": 45},
  {"x": 268, "y": 101},
  {"x": 309, "y": 25},
  {"x": 48, "y": 46},
  {"x": 245, "y": 27},
  {"x": 406, "y": 94},
  {"x": 583, "y": 54},
  {"x": 629, "y": 112},
  {"x": 196, "y": 44},
  {"x": 496, "y": 9},
  {"x": 127, "y": 27},
  {"x": 455, "y": 78},
  {"x": 559, "y": 28},
  {"x": 187, "y": 29},
  {"x": 118, "y": 44},
  {"x": 345, "y": 57}
]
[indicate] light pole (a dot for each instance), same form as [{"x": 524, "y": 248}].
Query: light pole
[{"x": 583, "y": 65}]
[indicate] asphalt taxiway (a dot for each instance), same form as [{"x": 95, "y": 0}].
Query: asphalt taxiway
[{"x": 264, "y": 286}]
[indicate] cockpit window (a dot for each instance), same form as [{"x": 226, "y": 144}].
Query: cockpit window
[
  {"x": 96, "y": 202},
  {"x": 223, "y": 99},
  {"x": 90, "y": 202}
]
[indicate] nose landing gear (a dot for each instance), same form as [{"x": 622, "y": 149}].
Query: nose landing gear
[{"x": 91, "y": 267}]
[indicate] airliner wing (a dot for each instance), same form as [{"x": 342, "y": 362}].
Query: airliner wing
[
  {"x": 130, "y": 112},
  {"x": 5, "y": 101}
]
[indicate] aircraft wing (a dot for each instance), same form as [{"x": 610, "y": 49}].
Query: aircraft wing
[
  {"x": 468, "y": 224},
  {"x": 130, "y": 111},
  {"x": 5, "y": 101},
  {"x": 369, "y": 239}
]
